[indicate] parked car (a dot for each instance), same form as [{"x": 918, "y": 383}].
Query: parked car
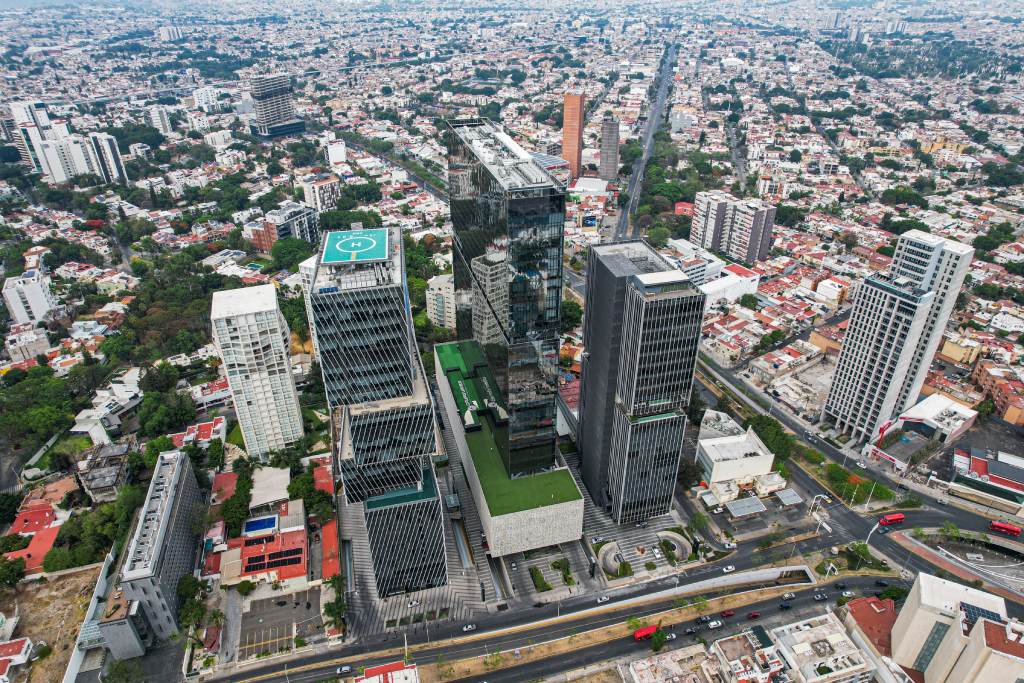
[
  {"x": 468, "y": 627},
  {"x": 881, "y": 584},
  {"x": 861, "y": 464},
  {"x": 718, "y": 510},
  {"x": 728, "y": 569},
  {"x": 670, "y": 636},
  {"x": 753, "y": 615},
  {"x": 344, "y": 670},
  {"x": 414, "y": 603},
  {"x": 597, "y": 539},
  {"x": 847, "y": 594},
  {"x": 729, "y": 545},
  {"x": 657, "y": 553},
  {"x": 690, "y": 631},
  {"x": 788, "y": 596},
  {"x": 602, "y": 599},
  {"x": 703, "y": 619},
  {"x": 641, "y": 525},
  {"x": 819, "y": 597},
  {"x": 515, "y": 567},
  {"x": 715, "y": 624},
  {"x": 841, "y": 586},
  {"x": 785, "y": 605},
  {"x": 728, "y": 612}
]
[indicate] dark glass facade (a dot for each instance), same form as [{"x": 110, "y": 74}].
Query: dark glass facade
[{"x": 508, "y": 216}]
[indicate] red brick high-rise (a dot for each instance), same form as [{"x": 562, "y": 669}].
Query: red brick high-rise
[{"x": 573, "y": 111}]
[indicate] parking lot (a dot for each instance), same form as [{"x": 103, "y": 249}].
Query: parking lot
[{"x": 272, "y": 624}]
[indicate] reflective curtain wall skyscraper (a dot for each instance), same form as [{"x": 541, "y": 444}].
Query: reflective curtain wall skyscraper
[{"x": 508, "y": 215}]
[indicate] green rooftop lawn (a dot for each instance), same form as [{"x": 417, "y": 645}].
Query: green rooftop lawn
[{"x": 504, "y": 495}]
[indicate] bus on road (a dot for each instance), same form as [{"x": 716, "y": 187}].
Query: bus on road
[
  {"x": 894, "y": 518},
  {"x": 644, "y": 633},
  {"x": 1004, "y": 528}
]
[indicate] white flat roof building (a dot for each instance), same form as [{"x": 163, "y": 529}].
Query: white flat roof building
[{"x": 818, "y": 650}]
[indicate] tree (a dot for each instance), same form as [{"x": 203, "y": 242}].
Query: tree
[
  {"x": 749, "y": 301},
  {"x": 699, "y": 521},
  {"x": 950, "y": 531},
  {"x": 690, "y": 474},
  {"x": 658, "y": 237},
  {"x": 772, "y": 434},
  {"x": 849, "y": 240},
  {"x": 215, "y": 454},
  {"x": 124, "y": 671},
  {"x": 795, "y": 156},
  {"x": 9, "y": 504},
  {"x": 658, "y": 640},
  {"x": 289, "y": 252},
  {"x": 572, "y": 315},
  {"x": 11, "y": 571},
  {"x": 245, "y": 587},
  {"x": 699, "y": 604}
]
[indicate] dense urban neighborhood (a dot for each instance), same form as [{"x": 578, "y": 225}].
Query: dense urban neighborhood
[{"x": 612, "y": 342}]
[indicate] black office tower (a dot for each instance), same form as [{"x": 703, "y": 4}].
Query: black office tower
[
  {"x": 641, "y": 331},
  {"x": 508, "y": 215}
]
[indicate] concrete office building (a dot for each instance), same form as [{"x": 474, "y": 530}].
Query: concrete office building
[
  {"x": 275, "y": 109},
  {"x": 253, "y": 341},
  {"x": 937, "y": 265},
  {"x": 640, "y": 333},
  {"x": 733, "y": 460},
  {"x": 508, "y": 216},
  {"x": 886, "y": 325},
  {"x": 28, "y": 297},
  {"x": 740, "y": 228},
  {"x": 321, "y": 191},
  {"x": 819, "y": 650},
  {"x": 574, "y": 114},
  {"x": 950, "y": 633},
  {"x": 609, "y": 169},
  {"x": 292, "y": 219},
  {"x": 441, "y": 301},
  {"x": 337, "y": 152},
  {"x": 143, "y": 606},
  {"x": 159, "y": 119},
  {"x": 382, "y": 415}
]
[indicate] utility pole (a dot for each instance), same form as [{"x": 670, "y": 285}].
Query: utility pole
[{"x": 870, "y": 493}]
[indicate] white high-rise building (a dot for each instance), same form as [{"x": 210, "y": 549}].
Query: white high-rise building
[
  {"x": 206, "y": 98},
  {"x": 28, "y": 297},
  {"x": 252, "y": 338},
  {"x": 168, "y": 33},
  {"x": 321, "y": 191},
  {"x": 741, "y": 228},
  {"x": 70, "y": 156},
  {"x": 886, "y": 326},
  {"x": 159, "y": 119},
  {"x": 441, "y": 301},
  {"x": 938, "y": 265},
  {"x": 307, "y": 271}
]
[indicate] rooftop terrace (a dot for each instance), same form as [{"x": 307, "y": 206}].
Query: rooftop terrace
[{"x": 484, "y": 419}]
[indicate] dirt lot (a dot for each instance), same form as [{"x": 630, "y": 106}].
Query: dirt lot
[{"x": 51, "y": 612}]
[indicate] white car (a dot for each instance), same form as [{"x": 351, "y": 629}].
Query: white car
[
  {"x": 847, "y": 594},
  {"x": 657, "y": 553},
  {"x": 414, "y": 603},
  {"x": 718, "y": 510},
  {"x": 861, "y": 464},
  {"x": 728, "y": 569},
  {"x": 670, "y": 636},
  {"x": 602, "y": 598},
  {"x": 468, "y": 627},
  {"x": 729, "y": 545},
  {"x": 715, "y": 624}
]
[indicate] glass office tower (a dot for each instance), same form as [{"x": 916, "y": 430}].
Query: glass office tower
[{"x": 508, "y": 215}]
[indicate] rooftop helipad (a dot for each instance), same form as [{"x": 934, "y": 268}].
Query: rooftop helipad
[{"x": 356, "y": 246}]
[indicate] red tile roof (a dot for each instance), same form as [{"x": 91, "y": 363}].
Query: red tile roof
[
  {"x": 330, "y": 565},
  {"x": 224, "y": 486},
  {"x": 876, "y": 618},
  {"x": 12, "y": 648},
  {"x": 323, "y": 480},
  {"x": 995, "y": 638},
  {"x": 35, "y": 516},
  {"x": 36, "y": 550}
]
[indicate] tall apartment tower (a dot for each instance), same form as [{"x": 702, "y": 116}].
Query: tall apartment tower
[
  {"x": 106, "y": 158},
  {"x": 382, "y": 415},
  {"x": 573, "y": 119},
  {"x": 741, "y": 228},
  {"x": 28, "y": 297},
  {"x": 508, "y": 214},
  {"x": 143, "y": 607},
  {"x": 938, "y": 265},
  {"x": 159, "y": 119},
  {"x": 887, "y": 324},
  {"x": 609, "y": 148},
  {"x": 641, "y": 331},
  {"x": 31, "y": 126},
  {"x": 253, "y": 340},
  {"x": 275, "y": 109}
]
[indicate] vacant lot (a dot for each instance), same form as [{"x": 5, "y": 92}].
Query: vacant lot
[{"x": 51, "y": 612}]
